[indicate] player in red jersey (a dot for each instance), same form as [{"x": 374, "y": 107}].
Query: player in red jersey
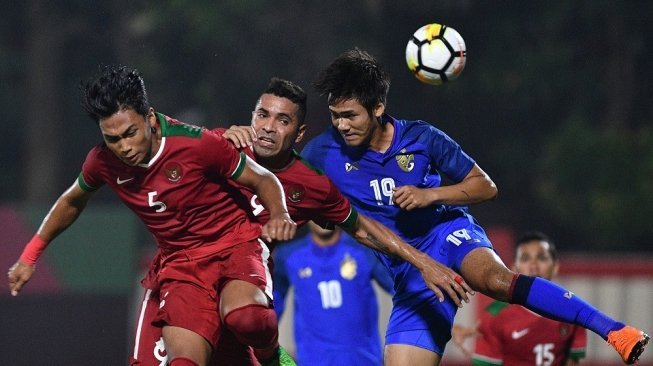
[
  {"x": 213, "y": 267},
  {"x": 513, "y": 335},
  {"x": 277, "y": 125}
]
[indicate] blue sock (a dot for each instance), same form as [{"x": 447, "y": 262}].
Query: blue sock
[{"x": 552, "y": 301}]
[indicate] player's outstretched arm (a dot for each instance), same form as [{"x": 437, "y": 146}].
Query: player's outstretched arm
[
  {"x": 437, "y": 276},
  {"x": 460, "y": 333},
  {"x": 268, "y": 189},
  {"x": 476, "y": 187},
  {"x": 62, "y": 214}
]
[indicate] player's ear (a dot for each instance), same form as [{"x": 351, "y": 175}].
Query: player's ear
[
  {"x": 151, "y": 118},
  {"x": 300, "y": 133},
  {"x": 379, "y": 109}
]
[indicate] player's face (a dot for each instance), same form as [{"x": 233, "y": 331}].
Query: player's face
[
  {"x": 277, "y": 127},
  {"x": 129, "y": 135},
  {"x": 355, "y": 124},
  {"x": 533, "y": 259}
]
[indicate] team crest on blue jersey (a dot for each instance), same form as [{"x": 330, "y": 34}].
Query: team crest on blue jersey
[
  {"x": 173, "y": 172},
  {"x": 405, "y": 161},
  {"x": 305, "y": 272},
  {"x": 296, "y": 193},
  {"x": 348, "y": 267}
]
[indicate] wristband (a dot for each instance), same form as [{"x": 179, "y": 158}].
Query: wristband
[{"x": 33, "y": 250}]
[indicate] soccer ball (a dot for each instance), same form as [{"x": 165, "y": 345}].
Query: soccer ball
[{"x": 436, "y": 54}]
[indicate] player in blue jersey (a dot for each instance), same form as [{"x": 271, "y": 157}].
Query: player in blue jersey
[
  {"x": 336, "y": 311},
  {"x": 391, "y": 169}
]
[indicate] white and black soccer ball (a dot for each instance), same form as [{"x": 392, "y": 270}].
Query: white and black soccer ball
[{"x": 436, "y": 54}]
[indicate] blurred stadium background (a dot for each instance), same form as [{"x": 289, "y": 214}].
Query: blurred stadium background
[{"x": 554, "y": 104}]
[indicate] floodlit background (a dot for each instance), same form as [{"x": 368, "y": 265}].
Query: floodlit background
[{"x": 554, "y": 104}]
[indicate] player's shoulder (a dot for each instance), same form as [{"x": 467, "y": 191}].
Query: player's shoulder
[
  {"x": 100, "y": 154},
  {"x": 321, "y": 143},
  {"x": 415, "y": 128},
  {"x": 171, "y": 127},
  {"x": 305, "y": 167}
]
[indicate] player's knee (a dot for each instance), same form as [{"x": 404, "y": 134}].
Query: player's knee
[
  {"x": 493, "y": 282},
  {"x": 254, "y": 325}
]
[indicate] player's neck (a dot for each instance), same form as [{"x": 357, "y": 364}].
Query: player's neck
[
  {"x": 325, "y": 240},
  {"x": 382, "y": 137},
  {"x": 276, "y": 163}
]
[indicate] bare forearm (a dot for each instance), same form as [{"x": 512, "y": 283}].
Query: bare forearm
[
  {"x": 62, "y": 214},
  {"x": 477, "y": 187},
  {"x": 378, "y": 237}
]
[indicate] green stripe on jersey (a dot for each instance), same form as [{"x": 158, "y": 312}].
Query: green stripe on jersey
[
  {"x": 351, "y": 219},
  {"x": 495, "y": 307},
  {"x": 181, "y": 129},
  {"x": 83, "y": 185},
  {"x": 305, "y": 162},
  {"x": 479, "y": 362},
  {"x": 241, "y": 166}
]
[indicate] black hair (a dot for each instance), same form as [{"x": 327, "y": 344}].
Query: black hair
[
  {"x": 114, "y": 89},
  {"x": 537, "y": 236},
  {"x": 355, "y": 74},
  {"x": 287, "y": 89}
]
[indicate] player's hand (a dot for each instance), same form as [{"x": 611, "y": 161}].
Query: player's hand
[
  {"x": 279, "y": 227},
  {"x": 411, "y": 197},
  {"x": 240, "y": 136},
  {"x": 19, "y": 274},
  {"x": 460, "y": 334},
  {"x": 439, "y": 277}
]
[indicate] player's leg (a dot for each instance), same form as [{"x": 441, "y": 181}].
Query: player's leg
[
  {"x": 183, "y": 344},
  {"x": 229, "y": 351},
  {"x": 402, "y": 354},
  {"x": 148, "y": 342},
  {"x": 187, "y": 313},
  {"x": 246, "y": 312},
  {"x": 245, "y": 301},
  {"x": 486, "y": 273}
]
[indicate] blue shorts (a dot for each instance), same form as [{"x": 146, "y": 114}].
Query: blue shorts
[{"x": 418, "y": 318}]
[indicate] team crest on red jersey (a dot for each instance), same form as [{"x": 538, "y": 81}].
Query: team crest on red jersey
[
  {"x": 173, "y": 172},
  {"x": 564, "y": 330},
  {"x": 296, "y": 193}
]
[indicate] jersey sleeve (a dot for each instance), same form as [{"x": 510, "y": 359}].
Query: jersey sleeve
[
  {"x": 90, "y": 178},
  {"x": 488, "y": 345},
  {"x": 314, "y": 151},
  {"x": 578, "y": 347},
  {"x": 220, "y": 156},
  {"x": 448, "y": 157}
]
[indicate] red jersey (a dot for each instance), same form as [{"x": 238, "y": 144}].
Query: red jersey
[
  {"x": 310, "y": 195},
  {"x": 513, "y": 335},
  {"x": 182, "y": 195}
]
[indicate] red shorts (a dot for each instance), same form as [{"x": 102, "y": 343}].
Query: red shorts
[{"x": 186, "y": 293}]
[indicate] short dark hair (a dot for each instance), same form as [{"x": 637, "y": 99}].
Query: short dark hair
[
  {"x": 355, "y": 74},
  {"x": 114, "y": 89},
  {"x": 539, "y": 236},
  {"x": 287, "y": 89}
]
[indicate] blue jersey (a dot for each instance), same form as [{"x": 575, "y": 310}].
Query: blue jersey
[
  {"x": 419, "y": 155},
  {"x": 336, "y": 311}
]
